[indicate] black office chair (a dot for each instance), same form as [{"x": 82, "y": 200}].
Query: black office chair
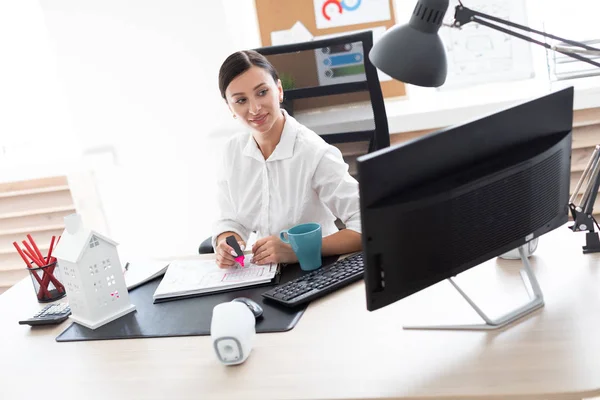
[
  {"x": 297, "y": 59},
  {"x": 206, "y": 246}
]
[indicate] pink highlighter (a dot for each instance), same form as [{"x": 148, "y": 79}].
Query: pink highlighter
[{"x": 232, "y": 241}]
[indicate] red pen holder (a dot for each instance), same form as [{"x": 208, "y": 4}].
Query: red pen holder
[{"x": 47, "y": 282}]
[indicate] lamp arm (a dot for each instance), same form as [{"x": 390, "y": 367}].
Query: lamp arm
[
  {"x": 464, "y": 15},
  {"x": 590, "y": 180},
  {"x": 589, "y": 206},
  {"x": 585, "y": 175},
  {"x": 571, "y": 50},
  {"x": 589, "y": 196}
]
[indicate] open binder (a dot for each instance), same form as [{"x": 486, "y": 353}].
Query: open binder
[{"x": 194, "y": 277}]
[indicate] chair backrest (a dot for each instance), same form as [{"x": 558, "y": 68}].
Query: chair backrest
[{"x": 333, "y": 71}]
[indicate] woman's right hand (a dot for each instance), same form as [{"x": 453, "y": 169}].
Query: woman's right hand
[{"x": 226, "y": 255}]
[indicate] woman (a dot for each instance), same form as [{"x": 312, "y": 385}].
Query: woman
[{"x": 278, "y": 175}]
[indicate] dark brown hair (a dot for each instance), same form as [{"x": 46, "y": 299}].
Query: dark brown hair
[{"x": 240, "y": 62}]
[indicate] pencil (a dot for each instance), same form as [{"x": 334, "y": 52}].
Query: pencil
[
  {"x": 48, "y": 275},
  {"x": 40, "y": 264},
  {"x": 37, "y": 251},
  {"x": 29, "y": 253},
  {"x": 43, "y": 289},
  {"x": 48, "y": 259},
  {"x": 21, "y": 254}
]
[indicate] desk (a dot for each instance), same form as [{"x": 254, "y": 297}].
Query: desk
[{"x": 340, "y": 350}]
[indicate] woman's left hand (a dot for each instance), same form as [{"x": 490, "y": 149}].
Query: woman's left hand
[{"x": 271, "y": 249}]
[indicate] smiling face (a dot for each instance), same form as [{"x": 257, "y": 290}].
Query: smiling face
[{"x": 254, "y": 97}]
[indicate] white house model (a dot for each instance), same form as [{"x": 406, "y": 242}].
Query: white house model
[{"x": 92, "y": 275}]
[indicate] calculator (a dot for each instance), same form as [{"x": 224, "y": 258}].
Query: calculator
[{"x": 50, "y": 314}]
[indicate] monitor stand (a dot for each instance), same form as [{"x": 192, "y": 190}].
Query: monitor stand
[{"x": 535, "y": 294}]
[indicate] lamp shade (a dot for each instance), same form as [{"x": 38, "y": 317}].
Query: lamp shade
[{"x": 414, "y": 53}]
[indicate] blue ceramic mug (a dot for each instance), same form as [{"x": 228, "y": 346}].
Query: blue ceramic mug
[{"x": 306, "y": 241}]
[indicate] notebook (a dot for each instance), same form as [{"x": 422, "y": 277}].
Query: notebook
[
  {"x": 185, "y": 278},
  {"x": 138, "y": 271}
]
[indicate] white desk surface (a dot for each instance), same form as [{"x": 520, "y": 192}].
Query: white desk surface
[{"x": 339, "y": 350}]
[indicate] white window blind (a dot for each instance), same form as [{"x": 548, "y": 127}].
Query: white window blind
[{"x": 577, "y": 20}]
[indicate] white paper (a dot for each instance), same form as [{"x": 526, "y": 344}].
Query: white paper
[
  {"x": 281, "y": 37},
  {"x": 140, "y": 271},
  {"x": 478, "y": 54},
  {"x": 202, "y": 276},
  {"x": 298, "y": 33},
  {"x": 334, "y": 13}
]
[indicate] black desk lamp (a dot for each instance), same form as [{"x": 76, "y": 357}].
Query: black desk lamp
[{"x": 414, "y": 53}]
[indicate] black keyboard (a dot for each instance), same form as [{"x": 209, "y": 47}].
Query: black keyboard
[{"x": 318, "y": 283}]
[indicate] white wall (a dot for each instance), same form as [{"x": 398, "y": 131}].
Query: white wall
[
  {"x": 141, "y": 82},
  {"x": 35, "y": 124}
]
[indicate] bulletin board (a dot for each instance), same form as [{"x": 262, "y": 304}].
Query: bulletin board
[{"x": 278, "y": 15}]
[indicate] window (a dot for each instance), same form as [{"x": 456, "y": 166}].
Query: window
[
  {"x": 94, "y": 242},
  {"x": 576, "y": 21}
]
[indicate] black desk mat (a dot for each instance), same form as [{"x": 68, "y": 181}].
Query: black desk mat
[{"x": 190, "y": 316}]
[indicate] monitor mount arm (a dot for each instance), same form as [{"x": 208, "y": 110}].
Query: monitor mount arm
[
  {"x": 583, "y": 211},
  {"x": 464, "y": 15}
]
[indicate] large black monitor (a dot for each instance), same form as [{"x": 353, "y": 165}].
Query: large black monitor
[{"x": 453, "y": 199}]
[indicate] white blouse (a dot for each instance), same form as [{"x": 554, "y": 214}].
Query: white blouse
[{"x": 304, "y": 180}]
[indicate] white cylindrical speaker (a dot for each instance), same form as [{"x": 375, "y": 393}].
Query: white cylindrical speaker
[{"x": 232, "y": 330}]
